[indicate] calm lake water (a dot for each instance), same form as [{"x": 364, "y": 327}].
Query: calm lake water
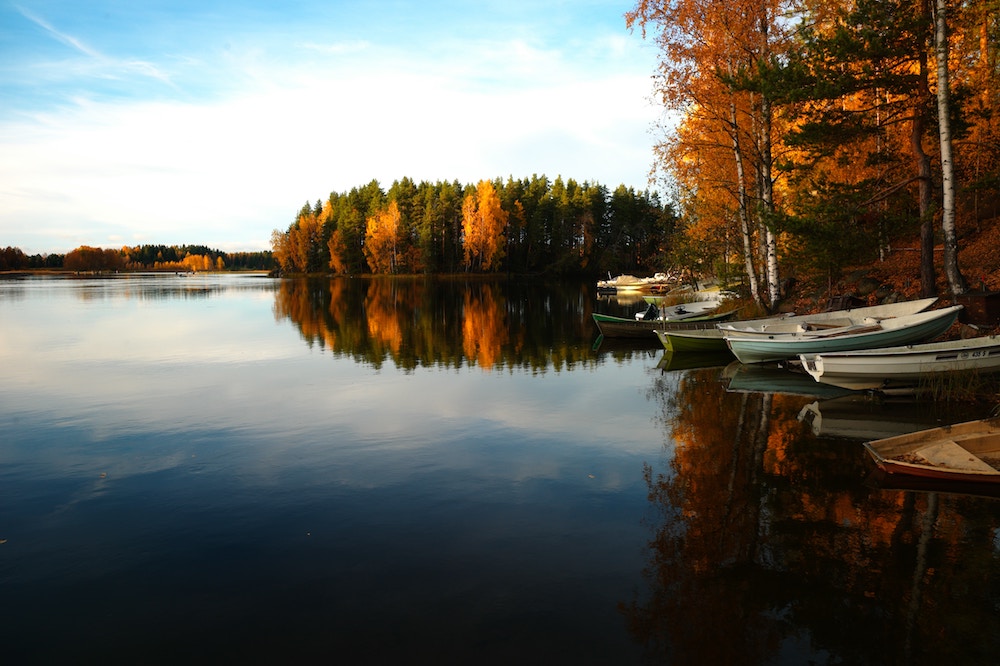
[{"x": 233, "y": 469}]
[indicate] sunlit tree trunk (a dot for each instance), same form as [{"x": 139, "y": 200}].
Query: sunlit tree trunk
[
  {"x": 767, "y": 204},
  {"x": 742, "y": 208},
  {"x": 956, "y": 283}
]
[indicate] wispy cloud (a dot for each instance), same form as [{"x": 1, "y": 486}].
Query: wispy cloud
[
  {"x": 58, "y": 35},
  {"x": 108, "y": 66}
]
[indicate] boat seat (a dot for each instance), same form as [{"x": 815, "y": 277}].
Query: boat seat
[
  {"x": 827, "y": 324},
  {"x": 951, "y": 455}
]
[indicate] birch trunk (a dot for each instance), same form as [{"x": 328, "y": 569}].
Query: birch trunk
[
  {"x": 956, "y": 283},
  {"x": 741, "y": 193},
  {"x": 767, "y": 203}
]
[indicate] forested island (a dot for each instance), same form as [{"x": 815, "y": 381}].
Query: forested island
[{"x": 527, "y": 226}]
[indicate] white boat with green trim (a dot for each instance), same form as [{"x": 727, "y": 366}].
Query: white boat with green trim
[{"x": 903, "y": 366}]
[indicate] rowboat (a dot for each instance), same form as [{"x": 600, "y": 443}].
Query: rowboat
[
  {"x": 679, "y": 311},
  {"x": 711, "y": 339},
  {"x": 623, "y": 327},
  {"x": 904, "y": 365},
  {"x": 631, "y": 283},
  {"x": 792, "y": 323},
  {"x": 962, "y": 452},
  {"x": 864, "y": 333}
]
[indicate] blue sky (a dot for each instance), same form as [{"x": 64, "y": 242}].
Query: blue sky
[{"x": 127, "y": 122}]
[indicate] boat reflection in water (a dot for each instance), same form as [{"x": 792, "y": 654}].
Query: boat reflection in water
[
  {"x": 776, "y": 378},
  {"x": 771, "y": 547},
  {"x": 671, "y": 361},
  {"x": 862, "y": 416},
  {"x": 879, "y": 480}
]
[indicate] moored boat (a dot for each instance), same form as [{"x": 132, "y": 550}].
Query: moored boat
[
  {"x": 679, "y": 311},
  {"x": 963, "y": 452},
  {"x": 622, "y": 327},
  {"x": 865, "y": 333},
  {"x": 630, "y": 283},
  {"x": 903, "y": 365}
]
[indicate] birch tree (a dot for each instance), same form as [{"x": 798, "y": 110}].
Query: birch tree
[
  {"x": 712, "y": 56},
  {"x": 956, "y": 282}
]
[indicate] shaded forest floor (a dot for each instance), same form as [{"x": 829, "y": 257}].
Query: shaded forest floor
[{"x": 899, "y": 272}]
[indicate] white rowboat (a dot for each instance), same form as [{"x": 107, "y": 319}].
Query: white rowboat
[
  {"x": 867, "y": 333},
  {"x": 903, "y": 365}
]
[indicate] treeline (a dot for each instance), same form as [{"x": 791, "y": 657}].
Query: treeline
[
  {"x": 193, "y": 257},
  {"x": 525, "y": 226},
  {"x": 14, "y": 259},
  {"x": 139, "y": 258}
]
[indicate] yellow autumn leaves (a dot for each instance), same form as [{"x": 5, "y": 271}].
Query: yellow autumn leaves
[
  {"x": 484, "y": 223},
  {"x": 483, "y": 226}
]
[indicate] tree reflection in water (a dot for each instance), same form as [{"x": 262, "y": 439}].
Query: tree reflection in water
[
  {"x": 769, "y": 548},
  {"x": 484, "y": 322}
]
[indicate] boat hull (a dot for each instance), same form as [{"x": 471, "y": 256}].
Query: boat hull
[
  {"x": 704, "y": 340},
  {"x": 763, "y": 348},
  {"x": 903, "y": 366}
]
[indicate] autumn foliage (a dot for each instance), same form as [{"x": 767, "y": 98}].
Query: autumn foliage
[
  {"x": 815, "y": 137},
  {"x": 382, "y": 239},
  {"x": 483, "y": 225},
  {"x": 86, "y": 258}
]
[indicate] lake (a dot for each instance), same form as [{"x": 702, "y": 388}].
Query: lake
[{"x": 230, "y": 468}]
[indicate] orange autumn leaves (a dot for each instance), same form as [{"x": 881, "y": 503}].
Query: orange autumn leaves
[
  {"x": 382, "y": 239},
  {"x": 484, "y": 223}
]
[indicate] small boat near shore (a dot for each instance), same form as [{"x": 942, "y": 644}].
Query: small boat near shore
[
  {"x": 622, "y": 327},
  {"x": 902, "y": 366},
  {"x": 962, "y": 452},
  {"x": 779, "y": 344}
]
